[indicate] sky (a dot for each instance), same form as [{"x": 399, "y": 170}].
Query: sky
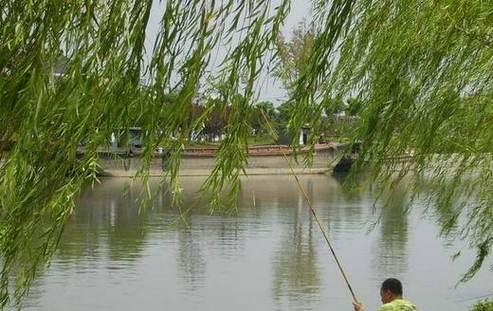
[{"x": 269, "y": 88}]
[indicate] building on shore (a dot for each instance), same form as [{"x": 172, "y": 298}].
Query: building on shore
[{"x": 285, "y": 138}]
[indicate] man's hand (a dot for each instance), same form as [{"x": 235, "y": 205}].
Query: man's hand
[{"x": 358, "y": 306}]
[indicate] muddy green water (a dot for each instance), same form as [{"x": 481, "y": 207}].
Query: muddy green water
[{"x": 269, "y": 256}]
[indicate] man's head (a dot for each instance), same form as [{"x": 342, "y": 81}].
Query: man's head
[{"x": 391, "y": 289}]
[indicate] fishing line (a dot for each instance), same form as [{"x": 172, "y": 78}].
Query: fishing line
[{"x": 314, "y": 213}]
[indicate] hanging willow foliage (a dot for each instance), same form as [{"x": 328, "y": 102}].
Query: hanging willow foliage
[
  {"x": 423, "y": 69},
  {"x": 110, "y": 81}
]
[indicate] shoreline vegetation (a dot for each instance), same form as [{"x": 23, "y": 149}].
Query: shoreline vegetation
[{"x": 483, "y": 305}]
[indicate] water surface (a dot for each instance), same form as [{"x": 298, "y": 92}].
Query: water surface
[{"x": 269, "y": 255}]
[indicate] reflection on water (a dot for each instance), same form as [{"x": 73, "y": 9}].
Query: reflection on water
[
  {"x": 391, "y": 250},
  {"x": 190, "y": 261},
  {"x": 296, "y": 274},
  {"x": 270, "y": 256}
]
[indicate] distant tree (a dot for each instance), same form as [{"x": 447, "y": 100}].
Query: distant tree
[
  {"x": 268, "y": 108},
  {"x": 334, "y": 106},
  {"x": 294, "y": 54},
  {"x": 283, "y": 113},
  {"x": 215, "y": 119},
  {"x": 354, "y": 106},
  {"x": 261, "y": 111}
]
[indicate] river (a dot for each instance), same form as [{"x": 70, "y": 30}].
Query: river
[{"x": 267, "y": 255}]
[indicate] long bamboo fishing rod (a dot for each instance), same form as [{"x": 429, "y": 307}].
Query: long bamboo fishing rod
[
  {"x": 307, "y": 199},
  {"x": 314, "y": 213}
]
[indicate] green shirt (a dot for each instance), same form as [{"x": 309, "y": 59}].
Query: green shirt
[{"x": 398, "y": 305}]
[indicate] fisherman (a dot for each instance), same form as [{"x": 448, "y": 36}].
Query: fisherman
[{"x": 391, "y": 294}]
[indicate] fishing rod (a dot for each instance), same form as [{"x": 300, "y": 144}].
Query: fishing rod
[
  {"x": 307, "y": 199},
  {"x": 314, "y": 213}
]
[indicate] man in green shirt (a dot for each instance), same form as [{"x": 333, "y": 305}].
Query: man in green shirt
[{"x": 391, "y": 294}]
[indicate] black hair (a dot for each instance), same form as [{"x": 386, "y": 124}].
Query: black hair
[{"x": 393, "y": 285}]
